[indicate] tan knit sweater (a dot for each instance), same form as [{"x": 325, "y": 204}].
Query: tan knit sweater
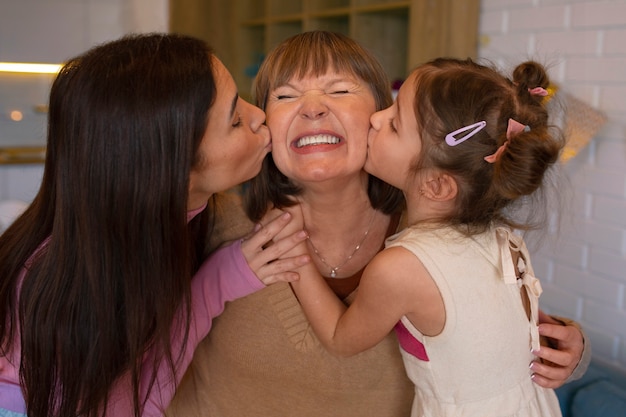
[{"x": 262, "y": 359}]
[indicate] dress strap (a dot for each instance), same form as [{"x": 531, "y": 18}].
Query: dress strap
[{"x": 509, "y": 243}]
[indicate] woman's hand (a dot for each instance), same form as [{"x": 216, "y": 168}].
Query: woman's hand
[
  {"x": 266, "y": 249},
  {"x": 557, "y": 361}
]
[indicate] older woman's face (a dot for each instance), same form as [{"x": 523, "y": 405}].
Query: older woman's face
[{"x": 319, "y": 126}]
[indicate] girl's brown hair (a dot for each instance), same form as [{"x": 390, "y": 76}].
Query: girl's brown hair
[{"x": 451, "y": 94}]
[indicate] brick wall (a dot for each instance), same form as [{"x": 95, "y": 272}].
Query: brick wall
[{"x": 583, "y": 264}]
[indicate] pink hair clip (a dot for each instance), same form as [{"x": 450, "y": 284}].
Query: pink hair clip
[
  {"x": 473, "y": 128},
  {"x": 538, "y": 91},
  {"x": 513, "y": 128}
]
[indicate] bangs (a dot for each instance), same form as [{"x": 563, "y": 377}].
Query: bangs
[
  {"x": 313, "y": 59},
  {"x": 313, "y": 54}
]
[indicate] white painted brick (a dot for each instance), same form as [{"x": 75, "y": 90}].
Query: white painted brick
[
  {"x": 587, "y": 70},
  {"x": 614, "y": 42},
  {"x": 605, "y": 317},
  {"x": 613, "y": 98},
  {"x": 599, "y": 235},
  {"x": 598, "y": 13},
  {"x": 593, "y": 287},
  {"x": 504, "y": 4},
  {"x": 571, "y": 253},
  {"x": 561, "y": 301},
  {"x": 491, "y": 22},
  {"x": 542, "y": 266},
  {"x": 537, "y": 18},
  {"x": 603, "y": 342},
  {"x": 608, "y": 263},
  {"x": 604, "y": 182},
  {"x": 553, "y": 2},
  {"x": 567, "y": 43},
  {"x": 507, "y": 47},
  {"x": 611, "y": 154},
  {"x": 572, "y": 207},
  {"x": 609, "y": 211}
]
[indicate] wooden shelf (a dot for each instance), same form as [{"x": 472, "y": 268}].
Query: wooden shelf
[{"x": 401, "y": 33}]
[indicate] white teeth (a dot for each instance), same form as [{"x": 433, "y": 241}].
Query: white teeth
[{"x": 317, "y": 140}]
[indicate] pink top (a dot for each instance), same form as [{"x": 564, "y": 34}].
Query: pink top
[{"x": 223, "y": 277}]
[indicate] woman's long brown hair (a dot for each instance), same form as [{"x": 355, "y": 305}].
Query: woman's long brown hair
[{"x": 126, "y": 119}]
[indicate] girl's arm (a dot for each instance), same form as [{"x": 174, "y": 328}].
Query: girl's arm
[{"x": 394, "y": 284}]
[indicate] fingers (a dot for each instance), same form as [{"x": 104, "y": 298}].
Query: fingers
[
  {"x": 272, "y": 255},
  {"x": 566, "y": 336},
  {"x": 553, "y": 366},
  {"x": 546, "y": 376},
  {"x": 264, "y": 234},
  {"x": 549, "y": 374},
  {"x": 282, "y": 270}
]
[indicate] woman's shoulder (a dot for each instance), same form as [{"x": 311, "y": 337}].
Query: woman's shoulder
[{"x": 231, "y": 222}]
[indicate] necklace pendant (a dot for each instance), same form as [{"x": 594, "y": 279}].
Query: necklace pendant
[{"x": 333, "y": 273}]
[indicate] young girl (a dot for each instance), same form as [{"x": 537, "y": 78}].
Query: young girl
[
  {"x": 463, "y": 143},
  {"x": 99, "y": 311}
]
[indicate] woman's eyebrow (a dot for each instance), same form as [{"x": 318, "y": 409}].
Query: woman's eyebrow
[{"x": 233, "y": 105}]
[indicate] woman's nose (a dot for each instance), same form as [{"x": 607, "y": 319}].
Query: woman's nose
[
  {"x": 257, "y": 117},
  {"x": 313, "y": 106}
]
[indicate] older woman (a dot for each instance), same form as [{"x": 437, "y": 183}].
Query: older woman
[{"x": 319, "y": 90}]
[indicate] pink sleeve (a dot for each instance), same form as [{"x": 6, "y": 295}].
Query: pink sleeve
[{"x": 223, "y": 277}]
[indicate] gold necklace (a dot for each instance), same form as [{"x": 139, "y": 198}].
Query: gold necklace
[{"x": 333, "y": 270}]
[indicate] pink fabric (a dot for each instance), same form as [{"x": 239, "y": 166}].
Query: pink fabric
[
  {"x": 223, "y": 277},
  {"x": 409, "y": 343}
]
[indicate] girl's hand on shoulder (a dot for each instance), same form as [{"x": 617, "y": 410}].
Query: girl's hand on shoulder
[
  {"x": 296, "y": 222},
  {"x": 271, "y": 249}
]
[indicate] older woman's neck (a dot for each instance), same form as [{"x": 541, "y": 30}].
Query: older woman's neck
[{"x": 338, "y": 197}]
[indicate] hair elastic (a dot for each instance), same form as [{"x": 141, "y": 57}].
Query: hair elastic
[
  {"x": 538, "y": 91},
  {"x": 473, "y": 128}
]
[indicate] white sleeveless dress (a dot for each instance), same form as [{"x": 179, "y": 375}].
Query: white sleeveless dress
[{"x": 479, "y": 365}]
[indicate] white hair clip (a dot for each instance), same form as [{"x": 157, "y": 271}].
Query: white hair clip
[{"x": 452, "y": 140}]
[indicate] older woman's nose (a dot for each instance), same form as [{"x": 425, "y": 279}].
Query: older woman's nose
[{"x": 313, "y": 106}]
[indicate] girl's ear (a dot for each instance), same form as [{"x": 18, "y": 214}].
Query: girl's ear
[{"x": 442, "y": 187}]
